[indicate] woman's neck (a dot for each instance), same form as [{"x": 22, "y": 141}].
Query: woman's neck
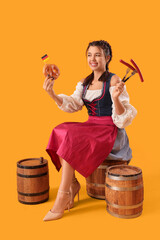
[{"x": 97, "y": 75}]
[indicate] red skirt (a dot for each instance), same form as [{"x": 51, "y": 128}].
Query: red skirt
[{"x": 84, "y": 145}]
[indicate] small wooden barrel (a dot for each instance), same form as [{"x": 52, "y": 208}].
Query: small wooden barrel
[
  {"x": 124, "y": 191},
  {"x": 95, "y": 183},
  {"x": 32, "y": 180}
]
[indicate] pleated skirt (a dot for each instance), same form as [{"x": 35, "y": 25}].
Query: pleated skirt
[{"x": 84, "y": 145}]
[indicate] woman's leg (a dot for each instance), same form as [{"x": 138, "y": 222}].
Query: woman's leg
[
  {"x": 66, "y": 179},
  {"x": 61, "y": 161},
  {"x": 67, "y": 175},
  {"x": 74, "y": 186}
]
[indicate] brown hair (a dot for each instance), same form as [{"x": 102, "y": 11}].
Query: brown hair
[{"x": 107, "y": 51}]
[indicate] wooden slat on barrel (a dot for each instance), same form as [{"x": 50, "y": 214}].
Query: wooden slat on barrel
[
  {"x": 32, "y": 180},
  {"x": 124, "y": 191},
  {"x": 95, "y": 183}
]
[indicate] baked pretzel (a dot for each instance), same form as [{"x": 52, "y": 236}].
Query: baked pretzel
[{"x": 51, "y": 70}]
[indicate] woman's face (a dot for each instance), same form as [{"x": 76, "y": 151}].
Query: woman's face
[{"x": 96, "y": 58}]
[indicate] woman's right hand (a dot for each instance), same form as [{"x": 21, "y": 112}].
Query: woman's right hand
[{"x": 48, "y": 85}]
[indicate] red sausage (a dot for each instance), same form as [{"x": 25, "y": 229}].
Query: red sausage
[
  {"x": 138, "y": 70},
  {"x": 127, "y": 64}
]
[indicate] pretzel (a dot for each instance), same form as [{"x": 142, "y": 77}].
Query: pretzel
[{"x": 51, "y": 70}]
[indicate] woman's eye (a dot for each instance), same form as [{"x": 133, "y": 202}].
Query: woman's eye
[{"x": 96, "y": 55}]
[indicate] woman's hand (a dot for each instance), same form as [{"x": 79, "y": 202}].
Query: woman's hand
[
  {"x": 119, "y": 87},
  {"x": 52, "y": 70},
  {"x": 48, "y": 85}
]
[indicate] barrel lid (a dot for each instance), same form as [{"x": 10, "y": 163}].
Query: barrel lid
[
  {"x": 124, "y": 170},
  {"x": 32, "y": 163}
]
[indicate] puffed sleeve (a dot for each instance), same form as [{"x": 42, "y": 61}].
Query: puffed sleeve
[
  {"x": 124, "y": 119},
  {"x": 73, "y": 102}
]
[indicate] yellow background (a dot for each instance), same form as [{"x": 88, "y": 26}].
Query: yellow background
[{"x": 63, "y": 29}]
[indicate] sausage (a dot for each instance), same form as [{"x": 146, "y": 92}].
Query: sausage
[
  {"x": 138, "y": 70},
  {"x": 127, "y": 64}
]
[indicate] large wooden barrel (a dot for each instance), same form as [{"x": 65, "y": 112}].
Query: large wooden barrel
[
  {"x": 32, "y": 180},
  {"x": 95, "y": 183},
  {"x": 124, "y": 191}
]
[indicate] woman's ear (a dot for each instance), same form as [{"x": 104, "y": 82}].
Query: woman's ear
[{"x": 107, "y": 58}]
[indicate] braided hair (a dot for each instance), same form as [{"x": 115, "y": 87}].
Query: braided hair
[{"x": 107, "y": 51}]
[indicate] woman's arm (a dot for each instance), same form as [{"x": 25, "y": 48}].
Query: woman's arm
[
  {"x": 118, "y": 89},
  {"x": 66, "y": 103},
  {"x": 57, "y": 99},
  {"x": 119, "y": 108},
  {"x": 122, "y": 111},
  {"x": 48, "y": 86},
  {"x": 73, "y": 102}
]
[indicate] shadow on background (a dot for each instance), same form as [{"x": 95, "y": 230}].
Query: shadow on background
[{"x": 151, "y": 200}]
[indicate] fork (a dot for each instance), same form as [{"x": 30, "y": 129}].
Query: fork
[{"x": 128, "y": 69}]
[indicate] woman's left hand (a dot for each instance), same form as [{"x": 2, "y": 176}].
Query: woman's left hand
[{"x": 119, "y": 87}]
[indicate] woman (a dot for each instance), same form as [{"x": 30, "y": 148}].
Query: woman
[{"x": 83, "y": 146}]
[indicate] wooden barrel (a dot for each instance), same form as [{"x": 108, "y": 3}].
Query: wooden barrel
[
  {"x": 95, "y": 183},
  {"x": 124, "y": 191},
  {"x": 32, "y": 180}
]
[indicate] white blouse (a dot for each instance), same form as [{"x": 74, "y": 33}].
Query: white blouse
[{"x": 75, "y": 103}]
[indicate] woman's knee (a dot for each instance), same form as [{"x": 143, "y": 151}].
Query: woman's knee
[{"x": 61, "y": 160}]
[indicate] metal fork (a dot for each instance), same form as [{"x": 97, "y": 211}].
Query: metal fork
[{"x": 128, "y": 69}]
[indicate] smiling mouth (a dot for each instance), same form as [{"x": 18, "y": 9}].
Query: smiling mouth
[{"x": 94, "y": 64}]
